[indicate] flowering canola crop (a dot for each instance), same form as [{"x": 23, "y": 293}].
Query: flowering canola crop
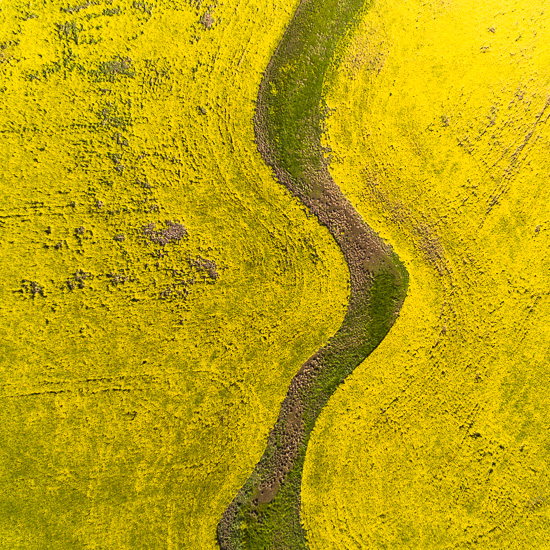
[{"x": 439, "y": 134}]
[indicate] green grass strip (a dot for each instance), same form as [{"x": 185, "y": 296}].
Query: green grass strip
[{"x": 289, "y": 125}]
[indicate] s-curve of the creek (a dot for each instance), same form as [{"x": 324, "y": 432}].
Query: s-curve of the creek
[{"x": 288, "y": 123}]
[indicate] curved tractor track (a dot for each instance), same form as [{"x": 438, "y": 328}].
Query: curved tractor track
[{"x": 288, "y": 125}]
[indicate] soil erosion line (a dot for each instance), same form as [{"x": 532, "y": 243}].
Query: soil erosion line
[{"x": 288, "y": 125}]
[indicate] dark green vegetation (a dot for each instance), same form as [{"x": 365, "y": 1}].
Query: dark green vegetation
[{"x": 289, "y": 125}]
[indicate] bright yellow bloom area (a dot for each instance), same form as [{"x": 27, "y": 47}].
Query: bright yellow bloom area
[
  {"x": 440, "y": 133},
  {"x": 130, "y": 415}
]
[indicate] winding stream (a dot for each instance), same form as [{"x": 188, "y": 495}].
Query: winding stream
[{"x": 288, "y": 126}]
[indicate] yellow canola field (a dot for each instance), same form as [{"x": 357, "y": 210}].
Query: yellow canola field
[
  {"x": 440, "y": 135},
  {"x": 139, "y": 380}
]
